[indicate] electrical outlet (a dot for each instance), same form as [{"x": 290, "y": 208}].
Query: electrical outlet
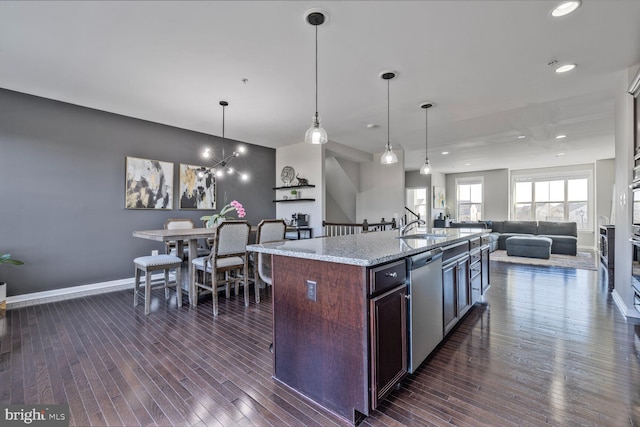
[
  {"x": 312, "y": 288},
  {"x": 154, "y": 253}
]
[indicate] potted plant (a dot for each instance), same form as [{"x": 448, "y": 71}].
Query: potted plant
[
  {"x": 6, "y": 259},
  {"x": 295, "y": 194}
]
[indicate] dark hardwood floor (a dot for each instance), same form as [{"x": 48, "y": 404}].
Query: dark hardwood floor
[{"x": 547, "y": 348}]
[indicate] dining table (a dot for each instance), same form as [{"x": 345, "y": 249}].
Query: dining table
[
  {"x": 190, "y": 235},
  {"x": 181, "y": 235}
]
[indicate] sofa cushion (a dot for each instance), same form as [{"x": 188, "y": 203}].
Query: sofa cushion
[
  {"x": 496, "y": 226},
  {"x": 557, "y": 228},
  {"x": 521, "y": 227}
]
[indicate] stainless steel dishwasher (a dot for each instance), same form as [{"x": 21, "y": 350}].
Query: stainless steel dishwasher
[{"x": 424, "y": 273}]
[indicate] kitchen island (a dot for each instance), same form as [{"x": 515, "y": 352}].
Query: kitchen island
[{"x": 340, "y": 316}]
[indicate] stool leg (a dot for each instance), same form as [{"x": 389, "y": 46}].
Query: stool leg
[
  {"x": 136, "y": 286},
  {"x": 179, "y": 285},
  {"x": 166, "y": 283},
  {"x": 147, "y": 291}
]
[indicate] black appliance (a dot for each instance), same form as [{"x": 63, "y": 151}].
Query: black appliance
[{"x": 300, "y": 220}]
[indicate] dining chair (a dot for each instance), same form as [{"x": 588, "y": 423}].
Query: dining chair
[
  {"x": 269, "y": 230},
  {"x": 226, "y": 264},
  {"x": 172, "y": 246}
]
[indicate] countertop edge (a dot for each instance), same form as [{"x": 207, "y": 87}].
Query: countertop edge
[{"x": 269, "y": 248}]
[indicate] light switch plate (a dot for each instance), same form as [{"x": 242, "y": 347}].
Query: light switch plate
[
  {"x": 312, "y": 288},
  {"x": 154, "y": 252}
]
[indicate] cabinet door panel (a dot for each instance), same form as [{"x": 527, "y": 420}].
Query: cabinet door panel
[
  {"x": 388, "y": 342},
  {"x": 449, "y": 280},
  {"x": 464, "y": 288}
]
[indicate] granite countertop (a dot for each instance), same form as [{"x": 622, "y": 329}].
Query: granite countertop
[{"x": 367, "y": 249}]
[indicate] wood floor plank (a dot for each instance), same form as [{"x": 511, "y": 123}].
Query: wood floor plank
[{"x": 546, "y": 347}]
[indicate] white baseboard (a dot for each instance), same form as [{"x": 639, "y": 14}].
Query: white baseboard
[
  {"x": 622, "y": 306},
  {"x": 62, "y": 294}
]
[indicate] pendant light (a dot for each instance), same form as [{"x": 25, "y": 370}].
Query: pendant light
[
  {"x": 316, "y": 133},
  {"x": 220, "y": 166},
  {"x": 388, "y": 157},
  {"x": 426, "y": 168}
]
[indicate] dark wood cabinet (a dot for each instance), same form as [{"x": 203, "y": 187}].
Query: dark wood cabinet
[
  {"x": 456, "y": 283},
  {"x": 388, "y": 326},
  {"x": 388, "y": 342}
]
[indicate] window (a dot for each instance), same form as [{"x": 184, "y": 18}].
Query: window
[
  {"x": 470, "y": 196},
  {"x": 553, "y": 198}
]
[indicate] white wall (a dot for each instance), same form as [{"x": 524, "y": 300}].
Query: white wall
[
  {"x": 622, "y": 294},
  {"x": 342, "y": 186},
  {"x": 381, "y": 189},
  {"x": 308, "y": 162}
]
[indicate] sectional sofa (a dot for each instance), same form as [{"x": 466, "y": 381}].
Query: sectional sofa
[{"x": 563, "y": 235}]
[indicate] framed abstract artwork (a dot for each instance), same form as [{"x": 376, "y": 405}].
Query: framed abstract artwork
[
  {"x": 148, "y": 184},
  {"x": 197, "y": 187},
  {"x": 438, "y": 198}
]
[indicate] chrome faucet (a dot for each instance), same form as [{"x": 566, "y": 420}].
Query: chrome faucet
[{"x": 404, "y": 228}]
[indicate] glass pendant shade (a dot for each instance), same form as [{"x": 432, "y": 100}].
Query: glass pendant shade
[
  {"x": 426, "y": 168},
  {"x": 316, "y": 133},
  {"x": 388, "y": 157}
]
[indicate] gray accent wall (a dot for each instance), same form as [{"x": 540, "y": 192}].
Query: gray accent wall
[{"x": 62, "y": 181}]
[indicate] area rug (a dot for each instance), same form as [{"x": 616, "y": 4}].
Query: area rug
[{"x": 583, "y": 260}]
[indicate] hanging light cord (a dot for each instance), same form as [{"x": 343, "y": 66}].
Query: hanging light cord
[
  {"x": 316, "y": 72},
  {"x": 388, "y": 121},
  {"x": 426, "y": 130}
]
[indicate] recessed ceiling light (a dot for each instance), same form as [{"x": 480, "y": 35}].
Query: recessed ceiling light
[
  {"x": 565, "y": 8},
  {"x": 371, "y": 125},
  {"x": 559, "y": 154},
  {"x": 467, "y": 164},
  {"x": 521, "y": 137},
  {"x": 565, "y": 68},
  {"x": 561, "y": 136},
  {"x": 444, "y": 153}
]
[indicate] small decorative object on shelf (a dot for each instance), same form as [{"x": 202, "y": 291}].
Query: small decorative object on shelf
[
  {"x": 287, "y": 175},
  {"x": 215, "y": 220},
  {"x": 302, "y": 181}
]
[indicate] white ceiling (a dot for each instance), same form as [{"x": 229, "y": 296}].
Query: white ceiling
[{"x": 482, "y": 63}]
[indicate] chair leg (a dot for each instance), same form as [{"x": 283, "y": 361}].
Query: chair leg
[
  {"x": 147, "y": 291},
  {"x": 193, "y": 288},
  {"x": 214, "y": 291},
  {"x": 166, "y": 283},
  {"x": 136, "y": 286},
  {"x": 246, "y": 282},
  {"x": 179, "y": 285},
  {"x": 256, "y": 287}
]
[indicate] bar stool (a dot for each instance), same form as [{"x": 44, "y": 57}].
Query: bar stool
[{"x": 149, "y": 264}]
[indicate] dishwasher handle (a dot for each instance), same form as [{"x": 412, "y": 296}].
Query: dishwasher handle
[{"x": 424, "y": 258}]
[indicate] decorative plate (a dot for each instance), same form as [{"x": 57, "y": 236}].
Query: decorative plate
[{"x": 287, "y": 175}]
